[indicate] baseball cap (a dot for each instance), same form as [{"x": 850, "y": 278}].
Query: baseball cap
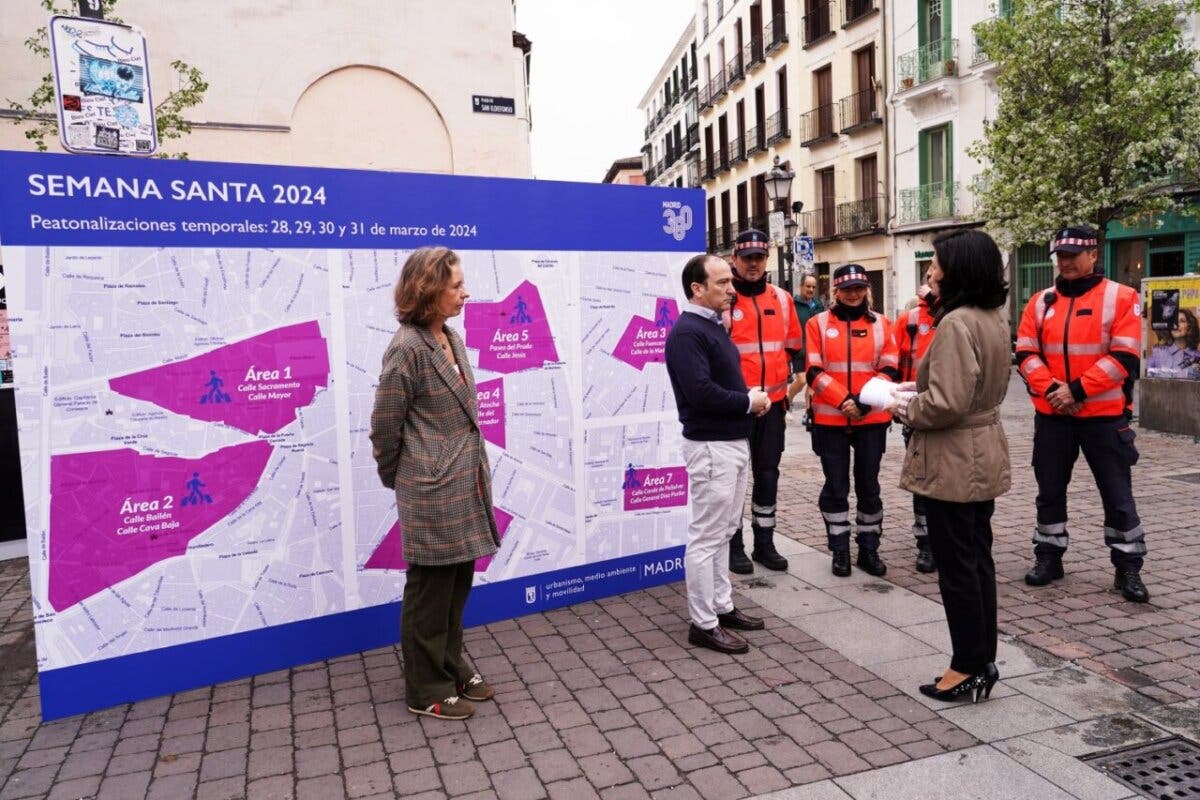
[
  {"x": 1074, "y": 240},
  {"x": 849, "y": 275},
  {"x": 751, "y": 242}
]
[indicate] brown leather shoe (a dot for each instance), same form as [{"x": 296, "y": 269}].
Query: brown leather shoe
[
  {"x": 718, "y": 639},
  {"x": 736, "y": 620}
]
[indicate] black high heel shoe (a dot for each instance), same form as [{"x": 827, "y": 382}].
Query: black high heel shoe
[
  {"x": 972, "y": 686},
  {"x": 989, "y": 678}
]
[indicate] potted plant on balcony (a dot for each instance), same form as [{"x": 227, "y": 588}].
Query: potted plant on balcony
[
  {"x": 951, "y": 66},
  {"x": 906, "y": 82}
]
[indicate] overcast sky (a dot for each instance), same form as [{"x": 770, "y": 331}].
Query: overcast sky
[{"x": 591, "y": 63}]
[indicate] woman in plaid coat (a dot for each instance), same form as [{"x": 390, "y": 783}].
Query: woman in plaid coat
[{"x": 429, "y": 449}]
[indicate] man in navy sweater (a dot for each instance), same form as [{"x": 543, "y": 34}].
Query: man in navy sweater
[{"x": 714, "y": 408}]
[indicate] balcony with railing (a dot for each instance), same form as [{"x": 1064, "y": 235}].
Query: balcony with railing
[
  {"x": 723, "y": 158},
  {"x": 777, "y": 127},
  {"x": 726, "y": 236},
  {"x": 938, "y": 59},
  {"x": 703, "y": 97},
  {"x": 816, "y": 126},
  {"x": 651, "y": 173},
  {"x": 857, "y": 9},
  {"x": 717, "y": 87},
  {"x": 752, "y": 54},
  {"x": 758, "y": 223},
  {"x": 693, "y": 136},
  {"x": 860, "y": 216},
  {"x": 818, "y": 22},
  {"x": 775, "y": 33},
  {"x": 820, "y": 223},
  {"x": 712, "y": 237},
  {"x": 735, "y": 69},
  {"x": 737, "y": 150},
  {"x": 755, "y": 141},
  {"x": 692, "y": 170},
  {"x": 933, "y": 201},
  {"x": 858, "y": 110},
  {"x": 978, "y": 53}
]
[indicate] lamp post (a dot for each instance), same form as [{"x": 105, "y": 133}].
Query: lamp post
[
  {"x": 790, "y": 227},
  {"x": 778, "y": 181}
]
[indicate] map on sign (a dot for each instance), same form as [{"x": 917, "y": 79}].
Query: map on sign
[{"x": 194, "y": 468}]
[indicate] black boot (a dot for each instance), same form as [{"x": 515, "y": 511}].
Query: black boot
[
  {"x": 1129, "y": 583},
  {"x": 841, "y": 563},
  {"x": 869, "y": 562},
  {"x": 1048, "y": 567},
  {"x": 925, "y": 561},
  {"x": 738, "y": 562},
  {"x": 765, "y": 552}
]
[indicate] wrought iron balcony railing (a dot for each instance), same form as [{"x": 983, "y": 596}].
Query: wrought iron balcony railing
[
  {"x": 817, "y": 125},
  {"x": 752, "y": 53},
  {"x": 703, "y": 98},
  {"x": 723, "y": 158},
  {"x": 931, "y": 201},
  {"x": 755, "y": 141},
  {"x": 859, "y": 8},
  {"x": 737, "y": 150},
  {"x": 860, "y": 108},
  {"x": 735, "y": 70},
  {"x": 777, "y": 127},
  {"x": 775, "y": 32},
  {"x": 818, "y": 22},
  {"x": 820, "y": 223},
  {"x": 978, "y": 54},
  {"x": 717, "y": 86},
  {"x": 693, "y": 136},
  {"x": 938, "y": 59},
  {"x": 860, "y": 216}
]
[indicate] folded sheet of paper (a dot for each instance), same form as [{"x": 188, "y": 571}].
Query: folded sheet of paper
[{"x": 877, "y": 393}]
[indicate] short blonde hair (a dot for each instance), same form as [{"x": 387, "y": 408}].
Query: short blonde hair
[{"x": 424, "y": 275}]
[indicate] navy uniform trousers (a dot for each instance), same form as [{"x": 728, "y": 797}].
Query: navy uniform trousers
[
  {"x": 833, "y": 445},
  {"x": 1107, "y": 446}
]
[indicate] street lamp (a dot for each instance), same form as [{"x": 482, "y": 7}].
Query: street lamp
[
  {"x": 778, "y": 182},
  {"x": 790, "y": 228}
]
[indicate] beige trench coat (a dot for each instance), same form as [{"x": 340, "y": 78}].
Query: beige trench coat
[
  {"x": 958, "y": 451},
  {"x": 429, "y": 449}
]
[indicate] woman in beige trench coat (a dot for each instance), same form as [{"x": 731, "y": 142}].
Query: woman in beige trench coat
[
  {"x": 958, "y": 457},
  {"x": 429, "y": 449}
]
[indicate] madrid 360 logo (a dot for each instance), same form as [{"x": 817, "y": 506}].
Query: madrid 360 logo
[{"x": 678, "y": 217}]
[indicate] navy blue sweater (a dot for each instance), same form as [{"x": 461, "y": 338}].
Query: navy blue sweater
[{"x": 706, "y": 376}]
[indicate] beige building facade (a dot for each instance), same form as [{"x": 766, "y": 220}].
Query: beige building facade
[
  {"x": 843, "y": 64},
  {"x": 671, "y": 152},
  {"x": 354, "y": 84},
  {"x": 747, "y": 91}
]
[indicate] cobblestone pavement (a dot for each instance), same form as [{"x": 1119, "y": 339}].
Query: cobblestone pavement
[
  {"x": 606, "y": 700},
  {"x": 1154, "y": 648}
]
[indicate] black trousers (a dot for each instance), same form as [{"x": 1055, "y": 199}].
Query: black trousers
[
  {"x": 960, "y": 535},
  {"x": 1108, "y": 447},
  {"x": 431, "y": 631},
  {"x": 766, "y": 449},
  {"x": 920, "y": 528},
  {"x": 833, "y": 445}
]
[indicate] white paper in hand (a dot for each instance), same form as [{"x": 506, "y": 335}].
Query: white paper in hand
[{"x": 877, "y": 393}]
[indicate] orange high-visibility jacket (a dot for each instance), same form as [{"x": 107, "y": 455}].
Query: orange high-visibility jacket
[
  {"x": 1082, "y": 342},
  {"x": 766, "y": 330},
  {"x": 847, "y": 355},
  {"x": 913, "y": 332}
]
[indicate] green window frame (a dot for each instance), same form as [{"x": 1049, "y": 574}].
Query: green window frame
[{"x": 936, "y": 156}]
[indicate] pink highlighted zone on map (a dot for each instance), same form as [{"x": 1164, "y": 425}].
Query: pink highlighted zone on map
[
  {"x": 645, "y": 340},
  {"x": 490, "y": 399},
  {"x": 115, "y": 513},
  {"x": 660, "y": 487},
  {"x": 257, "y": 385},
  {"x": 511, "y": 335},
  {"x": 390, "y": 552}
]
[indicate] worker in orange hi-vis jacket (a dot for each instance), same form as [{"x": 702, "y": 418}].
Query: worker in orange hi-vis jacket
[
  {"x": 846, "y": 346},
  {"x": 1079, "y": 347},
  {"x": 913, "y": 333}
]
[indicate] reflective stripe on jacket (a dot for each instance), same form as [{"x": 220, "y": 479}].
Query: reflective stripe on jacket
[
  {"x": 913, "y": 332},
  {"x": 1072, "y": 340},
  {"x": 765, "y": 330},
  {"x": 849, "y": 354}
]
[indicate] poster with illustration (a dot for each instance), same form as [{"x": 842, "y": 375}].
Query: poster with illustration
[{"x": 1172, "y": 331}]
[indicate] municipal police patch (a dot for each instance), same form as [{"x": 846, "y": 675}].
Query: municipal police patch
[
  {"x": 924, "y": 328},
  {"x": 832, "y": 333},
  {"x": 738, "y": 314}
]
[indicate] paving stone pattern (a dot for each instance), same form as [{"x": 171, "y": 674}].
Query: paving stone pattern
[{"x": 1153, "y": 648}]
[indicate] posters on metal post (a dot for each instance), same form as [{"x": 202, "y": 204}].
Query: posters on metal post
[
  {"x": 102, "y": 87},
  {"x": 1172, "y": 331},
  {"x": 197, "y": 347}
]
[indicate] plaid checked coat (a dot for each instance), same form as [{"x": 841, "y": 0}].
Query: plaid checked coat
[{"x": 429, "y": 449}]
